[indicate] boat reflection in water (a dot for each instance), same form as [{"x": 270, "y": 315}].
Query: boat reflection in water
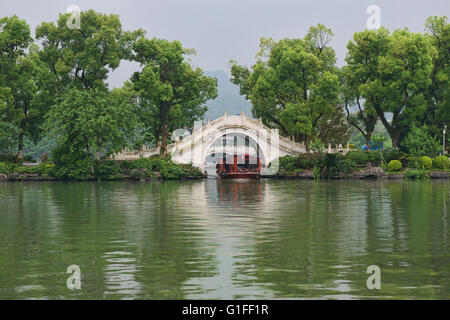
[{"x": 239, "y": 167}]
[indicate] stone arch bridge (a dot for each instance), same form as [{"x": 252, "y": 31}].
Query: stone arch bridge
[{"x": 216, "y": 138}]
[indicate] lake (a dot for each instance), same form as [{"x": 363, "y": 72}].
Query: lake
[{"x": 213, "y": 239}]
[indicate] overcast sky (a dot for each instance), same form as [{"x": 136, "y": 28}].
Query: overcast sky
[{"x": 221, "y": 30}]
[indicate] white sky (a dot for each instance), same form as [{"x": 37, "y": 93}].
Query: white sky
[{"x": 221, "y": 30}]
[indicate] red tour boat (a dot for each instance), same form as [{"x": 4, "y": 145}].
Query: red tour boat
[{"x": 229, "y": 168}]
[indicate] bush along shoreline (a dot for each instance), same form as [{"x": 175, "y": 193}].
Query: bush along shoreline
[
  {"x": 317, "y": 166},
  {"x": 363, "y": 165},
  {"x": 143, "y": 169}
]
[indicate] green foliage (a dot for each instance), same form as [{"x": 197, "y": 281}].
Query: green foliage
[
  {"x": 425, "y": 162},
  {"x": 20, "y": 109},
  {"x": 303, "y": 161},
  {"x": 417, "y": 174},
  {"x": 83, "y": 57},
  {"x": 101, "y": 121},
  {"x": 166, "y": 167},
  {"x": 316, "y": 173},
  {"x": 108, "y": 170},
  {"x": 9, "y": 158},
  {"x": 396, "y": 72},
  {"x": 437, "y": 94},
  {"x": 394, "y": 165},
  {"x": 317, "y": 145},
  {"x": 419, "y": 142},
  {"x": 294, "y": 85},
  {"x": 287, "y": 163},
  {"x": 358, "y": 157},
  {"x": 77, "y": 170},
  {"x": 44, "y": 168},
  {"x": 172, "y": 94},
  {"x": 441, "y": 162},
  {"x": 4, "y": 168},
  {"x": 29, "y": 158},
  {"x": 71, "y": 163},
  {"x": 395, "y": 155},
  {"x": 364, "y": 52},
  {"x": 25, "y": 169},
  {"x": 331, "y": 165}
]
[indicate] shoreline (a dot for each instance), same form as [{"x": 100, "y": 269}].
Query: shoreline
[{"x": 372, "y": 173}]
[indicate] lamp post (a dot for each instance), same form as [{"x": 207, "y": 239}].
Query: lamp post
[{"x": 443, "y": 140}]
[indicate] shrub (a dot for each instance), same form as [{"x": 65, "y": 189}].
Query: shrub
[
  {"x": 374, "y": 157},
  {"x": 8, "y": 158},
  {"x": 305, "y": 161},
  {"x": 287, "y": 163},
  {"x": 29, "y": 158},
  {"x": 395, "y": 155},
  {"x": 419, "y": 141},
  {"x": 417, "y": 174},
  {"x": 44, "y": 168},
  {"x": 25, "y": 169},
  {"x": 441, "y": 162},
  {"x": 166, "y": 167},
  {"x": 4, "y": 168},
  {"x": 426, "y": 162},
  {"x": 332, "y": 165},
  {"x": 358, "y": 157},
  {"x": 394, "y": 165},
  {"x": 77, "y": 170},
  {"x": 108, "y": 170}
]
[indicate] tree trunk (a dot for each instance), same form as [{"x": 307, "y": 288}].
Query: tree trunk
[
  {"x": 20, "y": 144},
  {"x": 165, "y": 130},
  {"x": 307, "y": 143},
  {"x": 20, "y": 147},
  {"x": 395, "y": 137},
  {"x": 368, "y": 140},
  {"x": 165, "y": 133},
  {"x": 97, "y": 153}
]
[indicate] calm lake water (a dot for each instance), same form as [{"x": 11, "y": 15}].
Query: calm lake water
[{"x": 215, "y": 239}]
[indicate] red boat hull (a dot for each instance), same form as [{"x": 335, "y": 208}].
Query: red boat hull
[
  {"x": 240, "y": 175},
  {"x": 249, "y": 169}
]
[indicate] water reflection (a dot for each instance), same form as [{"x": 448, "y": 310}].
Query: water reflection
[{"x": 224, "y": 239}]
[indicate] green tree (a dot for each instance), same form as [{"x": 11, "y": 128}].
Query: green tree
[
  {"x": 362, "y": 69},
  {"x": 437, "y": 94},
  {"x": 84, "y": 57},
  {"x": 404, "y": 75},
  {"x": 172, "y": 94},
  {"x": 419, "y": 142},
  {"x": 100, "y": 121},
  {"x": 294, "y": 84},
  {"x": 78, "y": 62},
  {"x": 18, "y": 109}
]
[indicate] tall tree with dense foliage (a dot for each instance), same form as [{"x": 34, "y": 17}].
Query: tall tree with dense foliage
[
  {"x": 365, "y": 51},
  {"x": 437, "y": 94},
  {"x": 20, "y": 109},
  {"x": 294, "y": 84},
  {"x": 172, "y": 94},
  {"x": 98, "y": 120},
  {"x": 84, "y": 57},
  {"x": 404, "y": 76},
  {"x": 78, "y": 62}
]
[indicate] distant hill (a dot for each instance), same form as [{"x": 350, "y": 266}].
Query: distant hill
[{"x": 228, "y": 99}]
